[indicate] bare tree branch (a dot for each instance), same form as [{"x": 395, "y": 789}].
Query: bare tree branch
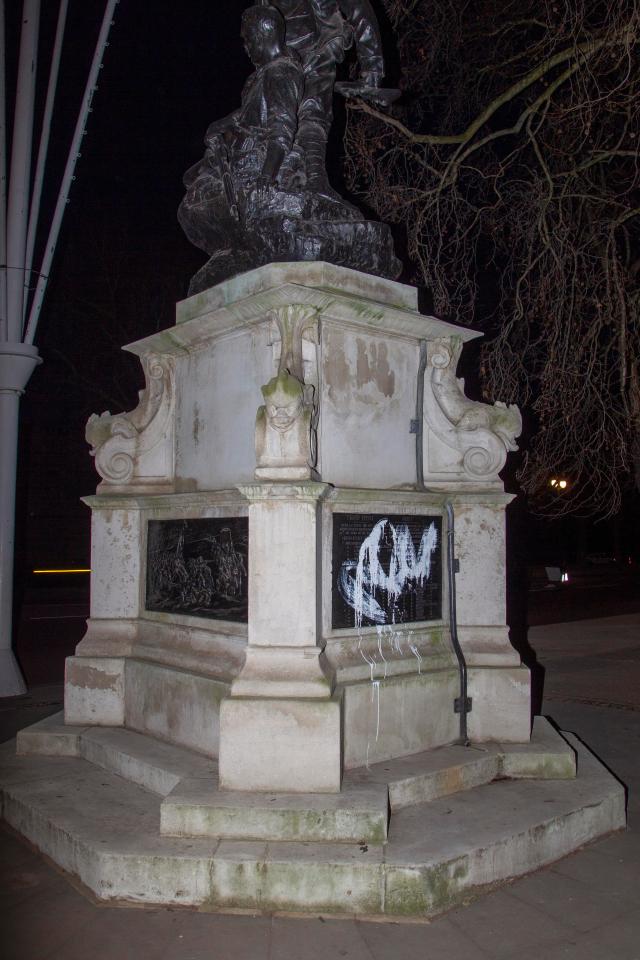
[{"x": 514, "y": 167}]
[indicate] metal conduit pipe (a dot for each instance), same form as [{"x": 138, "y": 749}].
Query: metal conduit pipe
[{"x": 462, "y": 704}]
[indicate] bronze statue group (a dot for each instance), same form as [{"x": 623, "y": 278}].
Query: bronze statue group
[{"x": 261, "y": 191}]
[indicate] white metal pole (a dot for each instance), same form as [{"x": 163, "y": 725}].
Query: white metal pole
[
  {"x": 17, "y": 362},
  {"x": 38, "y": 180},
  {"x": 4, "y": 330},
  {"x": 18, "y": 206},
  {"x": 68, "y": 173},
  {"x": 18, "y": 359}
]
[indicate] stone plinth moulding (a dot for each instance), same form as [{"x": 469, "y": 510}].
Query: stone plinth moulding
[{"x": 135, "y": 451}]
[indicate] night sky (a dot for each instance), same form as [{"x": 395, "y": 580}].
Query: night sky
[
  {"x": 122, "y": 260},
  {"x": 168, "y": 71}
]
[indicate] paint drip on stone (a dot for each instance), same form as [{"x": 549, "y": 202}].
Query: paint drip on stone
[{"x": 359, "y": 581}]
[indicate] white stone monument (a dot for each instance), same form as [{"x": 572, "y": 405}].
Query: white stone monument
[
  {"x": 281, "y": 659},
  {"x": 322, "y": 405}
]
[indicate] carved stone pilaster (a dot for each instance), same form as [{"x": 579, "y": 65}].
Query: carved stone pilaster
[
  {"x": 135, "y": 451},
  {"x": 464, "y": 439}
]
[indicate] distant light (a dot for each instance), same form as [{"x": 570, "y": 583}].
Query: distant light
[
  {"x": 558, "y": 484},
  {"x": 65, "y": 570},
  {"x": 565, "y": 578},
  {"x": 562, "y": 484}
]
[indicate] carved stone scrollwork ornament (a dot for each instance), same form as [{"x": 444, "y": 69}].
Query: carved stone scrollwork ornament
[
  {"x": 286, "y": 425},
  {"x": 136, "y": 450},
  {"x": 296, "y": 330},
  {"x": 464, "y": 437}
]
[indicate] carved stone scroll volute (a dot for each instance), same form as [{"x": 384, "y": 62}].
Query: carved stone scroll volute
[
  {"x": 135, "y": 451},
  {"x": 464, "y": 439}
]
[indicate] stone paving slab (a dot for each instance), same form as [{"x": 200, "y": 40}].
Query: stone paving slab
[
  {"x": 335, "y": 878},
  {"x": 102, "y": 829},
  {"x": 195, "y": 807},
  {"x": 509, "y": 806},
  {"x": 431, "y": 774}
]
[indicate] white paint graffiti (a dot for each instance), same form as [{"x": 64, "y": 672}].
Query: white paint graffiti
[
  {"x": 359, "y": 580},
  {"x": 375, "y": 699}
]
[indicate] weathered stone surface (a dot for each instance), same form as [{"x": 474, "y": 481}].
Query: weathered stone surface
[
  {"x": 547, "y": 756},
  {"x": 398, "y": 716},
  {"x": 94, "y": 691},
  {"x": 351, "y": 346},
  {"x": 105, "y": 831},
  {"x": 148, "y": 762},
  {"x": 438, "y": 773},
  {"x": 175, "y": 705},
  {"x": 427, "y": 776},
  {"x": 50, "y": 737},
  {"x": 335, "y": 878},
  {"x": 358, "y": 814},
  {"x": 281, "y": 745},
  {"x": 463, "y": 435},
  {"x": 501, "y": 704}
]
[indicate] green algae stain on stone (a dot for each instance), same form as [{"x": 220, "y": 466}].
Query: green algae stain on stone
[
  {"x": 338, "y": 887},
  {"x": 423, "y": 891}
]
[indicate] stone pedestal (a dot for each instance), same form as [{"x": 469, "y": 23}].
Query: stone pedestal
[
  {"x": 271, "y": 587},
  {"x": 269, "y": 563}
]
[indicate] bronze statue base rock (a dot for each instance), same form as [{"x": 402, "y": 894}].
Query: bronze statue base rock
[{"x": 281, "y": 226}]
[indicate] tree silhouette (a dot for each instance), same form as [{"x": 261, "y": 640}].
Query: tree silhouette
[{"x": 513, "y": 161}]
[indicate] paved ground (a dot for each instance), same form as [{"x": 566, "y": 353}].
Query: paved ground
[{"x": 585, "y": 906}]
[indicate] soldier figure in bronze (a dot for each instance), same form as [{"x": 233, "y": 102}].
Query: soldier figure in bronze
[{"x": 261, "y": 194}]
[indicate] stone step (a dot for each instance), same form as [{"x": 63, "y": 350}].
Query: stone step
[
  {"x": 358, "y": 814},
  {"x": 50, "y": 737},
  {"x": 104, "y": 830},
  {"x": 194, "y": 805},
  {"x": 137, "y": 757},
  {"x": 447, "y": 770},
  {"x": 142, "y": 759}
]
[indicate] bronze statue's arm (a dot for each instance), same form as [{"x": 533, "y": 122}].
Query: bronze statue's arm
[
  {"x": 219, "y": 127},
  {"x": 360, "y": 16}
]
